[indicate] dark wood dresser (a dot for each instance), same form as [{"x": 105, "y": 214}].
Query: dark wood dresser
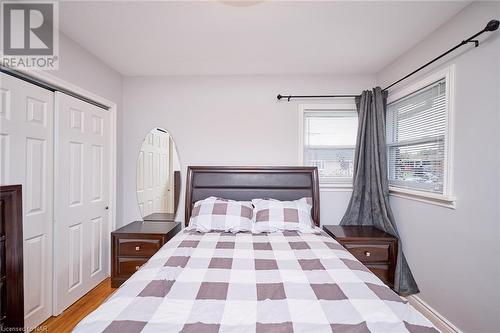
[
  {"x": 376, "y": 249},
  {"x": 133, "y": 244},
  {"x": 11, "y": 259}
]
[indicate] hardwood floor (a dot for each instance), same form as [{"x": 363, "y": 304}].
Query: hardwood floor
[{"x": 67, "y": 320}]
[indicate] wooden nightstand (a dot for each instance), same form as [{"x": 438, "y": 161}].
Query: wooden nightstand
[
  {"x": 160, "y": 217},
  {"x": 376, "y": 249},
  {"x": 133, "y": 244}
]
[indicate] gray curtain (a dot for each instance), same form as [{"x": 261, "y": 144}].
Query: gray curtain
[{"x": 369, "y": 203}]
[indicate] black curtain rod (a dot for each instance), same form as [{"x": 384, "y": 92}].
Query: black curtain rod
[{"x": 491, "y": 26}]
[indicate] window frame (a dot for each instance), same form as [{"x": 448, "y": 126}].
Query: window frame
[
  {"x": 447, "y": 199},
  {"x": 343, "y": 106}
]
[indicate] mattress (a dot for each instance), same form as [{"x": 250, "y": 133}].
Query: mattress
[{"x": 239, "y": 283}]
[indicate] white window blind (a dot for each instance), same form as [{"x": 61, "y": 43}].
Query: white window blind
[
  {"x": 416, "y": 139},
  {"x": 329, "y": 142}
]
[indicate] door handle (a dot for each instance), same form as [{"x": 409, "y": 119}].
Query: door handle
[{"x": 107, "y": 207}]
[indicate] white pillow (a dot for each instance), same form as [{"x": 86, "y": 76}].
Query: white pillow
[
  {"x": 272, "y": 215},
  {"x": 222, "y": 215}
]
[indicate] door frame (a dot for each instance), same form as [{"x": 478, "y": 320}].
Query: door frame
[{"x": 57, "y": 82}]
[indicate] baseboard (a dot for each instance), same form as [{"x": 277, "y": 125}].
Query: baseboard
[{"x": 443, "y": 324}]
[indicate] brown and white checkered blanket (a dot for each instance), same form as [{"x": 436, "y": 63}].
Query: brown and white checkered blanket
[{"x": 238, "y": 283}]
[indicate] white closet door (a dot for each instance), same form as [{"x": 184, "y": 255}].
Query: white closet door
[
  {"x": 153, "y": 174},
  {"x": 81, "y": 199},
  {"x": 26, "y": 155}
]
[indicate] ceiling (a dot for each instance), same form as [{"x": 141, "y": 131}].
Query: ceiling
[{"x": 256, "y": 37}]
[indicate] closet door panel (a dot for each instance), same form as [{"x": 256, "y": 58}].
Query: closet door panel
[
  {"x": 26, "y": 150},
  {"x": 96, "y": 256},
  {"x": 34, "y": 269},
  {"x": 82, "y": 198},
  {"x": 97, "y": 172}
]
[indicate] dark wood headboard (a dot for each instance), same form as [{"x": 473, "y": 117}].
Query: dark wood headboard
[{"x": 247, "y": 183}]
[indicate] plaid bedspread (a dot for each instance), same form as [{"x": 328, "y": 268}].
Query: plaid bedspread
[{"x": 238, "y": 283}]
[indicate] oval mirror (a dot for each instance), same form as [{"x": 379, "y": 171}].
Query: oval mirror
[{"x": 158, "y": 177}]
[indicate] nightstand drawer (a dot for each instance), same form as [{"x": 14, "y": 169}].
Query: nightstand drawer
[
  {"x": 369, "y": 252},
  {"x": 133, "y": 244},
  {"x": 128, "y": 266},
  {"x": 138, "y": 247},
  {"x": 381, "y": 271}
]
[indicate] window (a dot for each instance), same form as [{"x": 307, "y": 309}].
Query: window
[
  {"x": 418, "y": 148},
  {"x": 328, "y": 141}
]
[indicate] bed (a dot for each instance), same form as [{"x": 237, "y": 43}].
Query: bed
[{"x": 237, "y": 283}]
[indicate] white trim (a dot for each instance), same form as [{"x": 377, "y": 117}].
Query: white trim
[
  {"x": 57, "y": 82},
  {"x": 417, "y": 193},
  {"x": 441, "y": 323},
  {"x": 450, "y": 129},
  {"x": 446, "y": 199},
  {"x": 402, "y": 92},
  {"x": 55, "y": 195},
  {"x": 303, "y": 108},
  {"x": 330, "y": 106},
  {"x": 335, "y": 188},
  {"x": 448, "y": 202}
]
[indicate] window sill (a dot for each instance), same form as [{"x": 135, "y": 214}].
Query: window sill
[
  {"x": 335, "y": 187},
  {"x": 429, "y": 198}
]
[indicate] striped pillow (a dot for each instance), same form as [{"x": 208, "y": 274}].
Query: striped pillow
[
  {"x": 272, "y": 215},
  {"x": 222, "y": 215}
]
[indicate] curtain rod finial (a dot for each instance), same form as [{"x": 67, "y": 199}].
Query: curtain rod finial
[
  {"x": 279, "y": 97},
  {"x": 492, "y": 25}
]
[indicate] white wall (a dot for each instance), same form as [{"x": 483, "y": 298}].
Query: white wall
[
  {"x": 231, "y": 120},
  {"x": 454, "y": 253},
  {"x": 81, "y": 68}
]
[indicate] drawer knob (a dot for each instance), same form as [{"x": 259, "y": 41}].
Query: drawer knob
[
  {"x": 137, "y": 268},
  {"x": 137, "y": 248},
  {"x": 367, "y": 253}
]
